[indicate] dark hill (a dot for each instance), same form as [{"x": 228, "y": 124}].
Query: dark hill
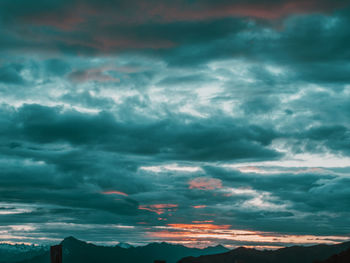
[
  {"x": 295, "y": 254},
  {"x": 343, "y": 257}
]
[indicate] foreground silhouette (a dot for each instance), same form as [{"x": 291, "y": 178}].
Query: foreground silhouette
[
  {"x": 76, "y": 251},
  {"x": 295, "y": 254},
  {"x": 56, "y": 254},
  {"x": 343, "y": 257}
]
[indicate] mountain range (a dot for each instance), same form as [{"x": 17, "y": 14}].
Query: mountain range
[
  {"x": 294, "y": 254},
  {"x": 77, "y": 251}
]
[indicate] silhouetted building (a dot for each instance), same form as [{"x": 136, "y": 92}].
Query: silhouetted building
[{"x": 56, "y": 254}]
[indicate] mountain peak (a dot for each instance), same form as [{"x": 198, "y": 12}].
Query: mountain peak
[
  {"x": 124, "y": 245},
  {"x": 220, "y": 246},
  {"x": 70, "y": 238},
  {"x": 71, "y": 241}
]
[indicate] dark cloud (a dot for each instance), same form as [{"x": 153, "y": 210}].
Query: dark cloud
[
  {"x": 307, "y": 195},
  {"x": 11, "y": 74},
  {"x": 57, "y": 67},
  {"x": 335, "y": 138},
  {"x": 183, "y": 80},
  {"x": 181, "y": 10},
  {"x": 86, "y": 99},
  {"x": 262, "y": 105},
  {"x": 171, "y": 139},
  {"x": 112, "y": 26}
]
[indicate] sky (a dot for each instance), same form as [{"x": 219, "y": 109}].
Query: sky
[{"x": 191, "y": 121}]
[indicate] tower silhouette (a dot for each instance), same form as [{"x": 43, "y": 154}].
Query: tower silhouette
[{"x": 56, "y": 254}]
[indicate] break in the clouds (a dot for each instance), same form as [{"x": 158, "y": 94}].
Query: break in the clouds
[{"x": 196, "y": 122}]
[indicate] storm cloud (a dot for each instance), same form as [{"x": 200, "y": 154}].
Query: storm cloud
[{"x": 135, "y": 121}]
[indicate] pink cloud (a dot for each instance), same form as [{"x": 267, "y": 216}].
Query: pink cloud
[
  {"x": 67, "y": 18},
  {"x": 265, "y": 10},
  {"x": 77, "y": 15},
  {"x": 105, "y": 28},
  {"x": 115, "y": 193},
  {"x": 204, "y": 183},
  {"x": 68, "y": 23},
  {"x": 159, "y": 208}
]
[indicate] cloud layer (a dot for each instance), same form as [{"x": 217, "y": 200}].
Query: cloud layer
[{"x": 196, "y": 122}]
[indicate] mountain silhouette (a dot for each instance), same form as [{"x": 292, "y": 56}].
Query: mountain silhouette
[
  {"x": 343, "y": 257},
  {"x": 77, "y": 251},
  {"x": 12, "y": 253},
  {"x": 294, "y": 254}
]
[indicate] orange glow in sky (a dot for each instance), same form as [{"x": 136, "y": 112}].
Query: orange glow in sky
[
  {"x": 199, "y": 226},
  {"x": 204, "y": 183},
  {"x": 199, "y": 206},
  {"x": 204, "y": 232}
]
